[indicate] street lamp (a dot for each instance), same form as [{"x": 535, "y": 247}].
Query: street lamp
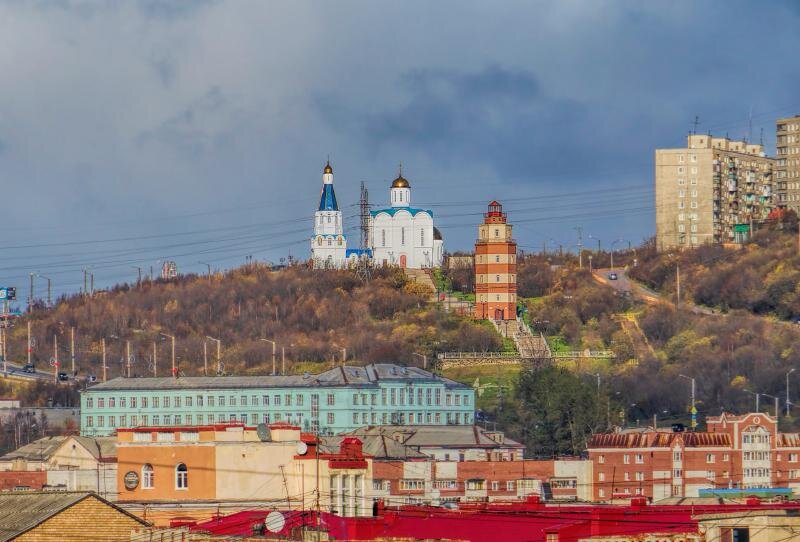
[
  {"x": 49, "y": 289},
  {"x": 694, "y": 408},
  {"x": 758, "y": 396},
  {"x": 274, "y": 348},
  {"x": 208, "y": 265},
  {"x": 612, "y": 251},
  {"x": 172, "y": 338},
  {"x": 219, "y": 353},
  {"x": 776, "y": 404},
  {"x": 598, "y": 242},
  {"x": 787, "y": 389},
  {"x": 344, "y": 352},
  {"x": 424, "y": 359}
]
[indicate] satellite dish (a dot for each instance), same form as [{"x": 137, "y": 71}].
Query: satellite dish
[
  {"x": 302, "y": 448},
  {"x": 263, "y": 433},
  {"x": 275, "y": 522}
]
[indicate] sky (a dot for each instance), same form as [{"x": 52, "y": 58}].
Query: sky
[{"x": 196, "y": 131}]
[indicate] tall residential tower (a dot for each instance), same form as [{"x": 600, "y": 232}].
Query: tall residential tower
[
  {"x": 787, "y": 167},
  {"x": 715, "y": 190}
]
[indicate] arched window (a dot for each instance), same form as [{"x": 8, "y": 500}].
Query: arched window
[
  {"x": 147, "y": 476},
  {"x": 383, "y": 238},
  {"x": 181, "y": 476},
  {"x": 330, "y": 242},
  {"x": 319, "y": 241}
]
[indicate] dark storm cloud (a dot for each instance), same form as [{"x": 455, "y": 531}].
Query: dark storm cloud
[
  {"x": 497, "y": 116},
  {"x": 130, "y": 114}
]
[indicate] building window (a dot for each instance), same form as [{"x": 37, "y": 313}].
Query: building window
[
  {"x": 383, "y": 238},
  {"x": 710, "y": 458},
  {"x": 89, "y": 421},
  {"x": 495, "y": 485},
  {"x": 422, "y": 237},
  {"x": 147, "y": 476},
  {"x": 601, "y": 477},
  {"x": 510, "y": 485},
  {"x": 639, "y": 459},
  {"x": 330, "y": 418},
  {"x": 331, "y": 399},
  {"x": 626, "y": 459},
  {"x": 181, "y": 476},
  {"x": 601, "y": 459}
]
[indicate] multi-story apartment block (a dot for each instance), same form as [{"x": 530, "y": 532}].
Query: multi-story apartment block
[
  {"x": 337, "y": 400},
  {"x": 787, "y": 167},
  {"x": 713, "y": 191},
  {"x": 495, "y": 267},
  {"x": 744, "y": 451}
]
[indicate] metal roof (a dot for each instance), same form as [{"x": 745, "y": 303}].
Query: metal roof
[
  {"x": 38, "y": 450},
  {"x": 21, "y": 512},
  {"x": 369, "y": 375},
  {"x": 444, "y": 436}
]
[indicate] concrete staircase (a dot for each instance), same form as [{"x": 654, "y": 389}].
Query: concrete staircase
[
  {"x": 528, "y": 343},
  {"x": 423, "y": 277}
]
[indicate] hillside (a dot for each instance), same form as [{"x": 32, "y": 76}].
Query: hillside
[
  {"x": 313, "y": 315},
  {"x": 762, "y": 277}
]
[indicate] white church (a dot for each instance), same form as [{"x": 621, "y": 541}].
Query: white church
[
  {"x": 399, "y": 235},
  {"x": 403, "y": 235}
]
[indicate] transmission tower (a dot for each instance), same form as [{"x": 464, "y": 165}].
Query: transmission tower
[{"x": 364, "y": 215}]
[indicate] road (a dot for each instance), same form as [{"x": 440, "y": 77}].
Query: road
[
  {"x": 643, "y": 293},
  {"x": 15, "y": 370}
]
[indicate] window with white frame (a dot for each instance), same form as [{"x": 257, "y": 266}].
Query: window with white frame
[
  {"x": 181, "y": 476},
  {"x": 148, "y": 477}
]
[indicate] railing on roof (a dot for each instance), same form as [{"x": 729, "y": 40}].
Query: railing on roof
[{"x": 469, "y": 355}]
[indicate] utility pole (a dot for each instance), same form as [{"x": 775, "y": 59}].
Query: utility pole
[
  {"x": 172, "y": 338},
  {"x": 205, "y": 358},
  {"x": 155, "y": 359},
  {"x": 55, "y": 358},
  {"x": 139, "y": 275},
  {"x": 30, "y": 296},
  {"x": 128, "y": 357},
  {"x": 30, "y": 349},
  {"x": 677, "y": 284},
  {"x": 208, "y": 265},
  {"x": 283, "y": 360},
  {"x": 274, "y": 348},
  {"x": 787, "y": 390},
  {"x": 580, "y": 246},
  {"x": 694, "y": 407},
  {"x": 219, "y": 353},
  {"x": 103, "y": 343},
  {"x": 72, "y": 348},
  {"x": 91, "y": 287},
  {"x": 85, "y": 282}
]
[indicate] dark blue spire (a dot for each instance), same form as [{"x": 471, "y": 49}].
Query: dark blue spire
[{"x": 327, "y": 200}]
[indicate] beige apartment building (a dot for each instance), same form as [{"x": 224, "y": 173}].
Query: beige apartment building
[
  {"x": 713, "y": 191},
  {"x": 787, "y": 164}
]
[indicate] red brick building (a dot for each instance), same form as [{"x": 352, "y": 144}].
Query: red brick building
[
  {"x": 744, "y": 451},
  {"x": 495, "y": 267}
]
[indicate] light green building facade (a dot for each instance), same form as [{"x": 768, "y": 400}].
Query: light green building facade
[{"x": 335, "y": 401}]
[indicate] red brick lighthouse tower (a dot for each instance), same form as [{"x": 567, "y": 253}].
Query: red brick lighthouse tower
[{"x": 495, "y": 267}]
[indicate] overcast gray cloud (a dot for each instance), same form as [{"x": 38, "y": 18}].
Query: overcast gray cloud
[{"x": 143, "y": 120}]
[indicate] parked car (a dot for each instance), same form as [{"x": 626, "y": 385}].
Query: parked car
[
  {"x": 29, "y": 368},
  {"x": 63, "y": 377},
  {"x": 612, "y": 276}
]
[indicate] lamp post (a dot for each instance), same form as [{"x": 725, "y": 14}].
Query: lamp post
[
  {"x": 612, "y": 251},
  {"x": 424, "y": 359},
  {"x": 758, "y": 397},
  {"x": 787, "y": 389},
  {"x": 172, "y": 338},
  {"x": 598, "y": 242},
  {"x": 219, "y": 353},
  {"x": 274, "y": 348},
  {"x": 694, "y": 408},
  {"x": 49, "y": 289},
  {"x": 344, "y": 352},
  {"x": 777, "y": 408},
  {"x": 208, "y": 265}
]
